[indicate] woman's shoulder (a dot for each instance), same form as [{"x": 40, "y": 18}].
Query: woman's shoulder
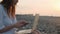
[
  {"x": 1, "y": 6},
  {"x": 1, "y": 9}
]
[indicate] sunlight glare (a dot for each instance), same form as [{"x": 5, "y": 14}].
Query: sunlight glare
[{"x": 57, "y": 5}]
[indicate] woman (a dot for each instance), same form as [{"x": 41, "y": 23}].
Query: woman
[{"x": 8, "y": 23}]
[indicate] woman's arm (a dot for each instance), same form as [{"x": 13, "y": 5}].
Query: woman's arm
[
  {"x": 36, "y": 32},
  {"x": 7, "y": 28},
  {"x": 17, "y": 25}
]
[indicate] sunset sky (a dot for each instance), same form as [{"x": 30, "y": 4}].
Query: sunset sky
[{"x": 42, "y": 7}]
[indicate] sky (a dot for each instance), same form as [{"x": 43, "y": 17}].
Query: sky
[{"x": 41, "y": 7}]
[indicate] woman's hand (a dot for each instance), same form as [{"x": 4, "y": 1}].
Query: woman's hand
[
  {"x": 36, "y": 32},
  {"x": 21, "y": 23}
]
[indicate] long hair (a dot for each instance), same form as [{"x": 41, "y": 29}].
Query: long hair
[{"x": 10, "y": 6}]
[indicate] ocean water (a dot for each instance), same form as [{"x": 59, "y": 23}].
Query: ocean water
[{"x": 47, "y": 24}]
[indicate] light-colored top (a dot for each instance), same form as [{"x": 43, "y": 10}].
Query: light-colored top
[{"x": 6, "y": 21}]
